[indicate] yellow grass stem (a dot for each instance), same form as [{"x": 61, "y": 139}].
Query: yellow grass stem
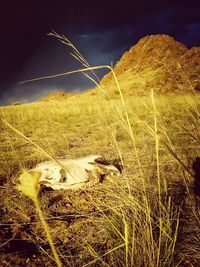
[
  {"x": 96, "y": 255},
  {"x": 107, "y": 95},
  {"x": 156, "y": 141},
  {"x": 169, "y": 147},
  {"x": 133, "y": 245},
  {"x": 47, "y": 232},
  {"x": 76, "y": 54},
  {"x": 107, "y": 253},
  {"x": 121, "y": 159},
  {"x": 158, "y": 174},
  {"x": 29, "y": 186},
  {"x": 170, "y": 72},
  {"x": 126, "y": 238},
  {"x": 177, "y": 157},
  {"x": 66, "y": 73},
  {"x": 127, "y": 120},
  {"x": 175, "y": 233}
]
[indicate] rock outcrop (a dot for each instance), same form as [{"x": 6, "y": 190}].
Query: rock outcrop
[{"x": 158, "y": 62}]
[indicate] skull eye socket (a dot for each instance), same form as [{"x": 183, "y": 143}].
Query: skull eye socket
[
  {"x": 63, "y": 174},
  {"x": 63, "y": 179}
]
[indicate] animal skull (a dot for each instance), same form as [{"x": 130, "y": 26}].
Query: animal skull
[{"x": 73, "y": 173}]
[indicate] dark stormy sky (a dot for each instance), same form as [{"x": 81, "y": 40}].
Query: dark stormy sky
[{"x": 101, "y": 30}]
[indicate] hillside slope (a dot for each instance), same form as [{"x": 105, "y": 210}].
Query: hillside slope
[{"x": 158, "y": 62}]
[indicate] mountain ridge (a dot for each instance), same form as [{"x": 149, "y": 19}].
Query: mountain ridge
[{"x": 158, "y": 62}]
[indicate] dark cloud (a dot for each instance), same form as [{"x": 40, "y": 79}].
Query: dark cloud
[{"x": 102, "y": 31}]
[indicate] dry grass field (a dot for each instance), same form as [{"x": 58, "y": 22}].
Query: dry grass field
[{"x": 148, "y": 217}]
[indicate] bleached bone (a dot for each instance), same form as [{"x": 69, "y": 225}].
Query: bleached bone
[{"x": 79, "y": 171}]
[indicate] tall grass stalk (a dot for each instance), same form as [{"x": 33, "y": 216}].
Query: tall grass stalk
[
  {"x": 47, "y": 233},
  {"x": 158, "y": 173},
  {"x": 121, "y": 159},
  {"x": 156, "y": 142},
  {"x": 29, "y": 185}
]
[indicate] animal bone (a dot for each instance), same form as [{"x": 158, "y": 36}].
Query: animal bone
[{"x": 75, "y": 172}]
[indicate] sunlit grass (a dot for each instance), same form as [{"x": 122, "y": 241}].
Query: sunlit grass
[{"x": 141, "y": 213}]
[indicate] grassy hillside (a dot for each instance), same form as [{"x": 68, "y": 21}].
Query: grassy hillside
[{"x": 148, "y": 217}]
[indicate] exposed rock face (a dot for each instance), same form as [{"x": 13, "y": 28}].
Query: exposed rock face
[{"x": 158, "y": 62}]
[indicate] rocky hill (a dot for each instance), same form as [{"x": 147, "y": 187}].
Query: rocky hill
[{"x": 158, "y": 62}]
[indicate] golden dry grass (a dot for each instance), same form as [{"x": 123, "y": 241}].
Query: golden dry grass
[{"x": 135, "y": 221}]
